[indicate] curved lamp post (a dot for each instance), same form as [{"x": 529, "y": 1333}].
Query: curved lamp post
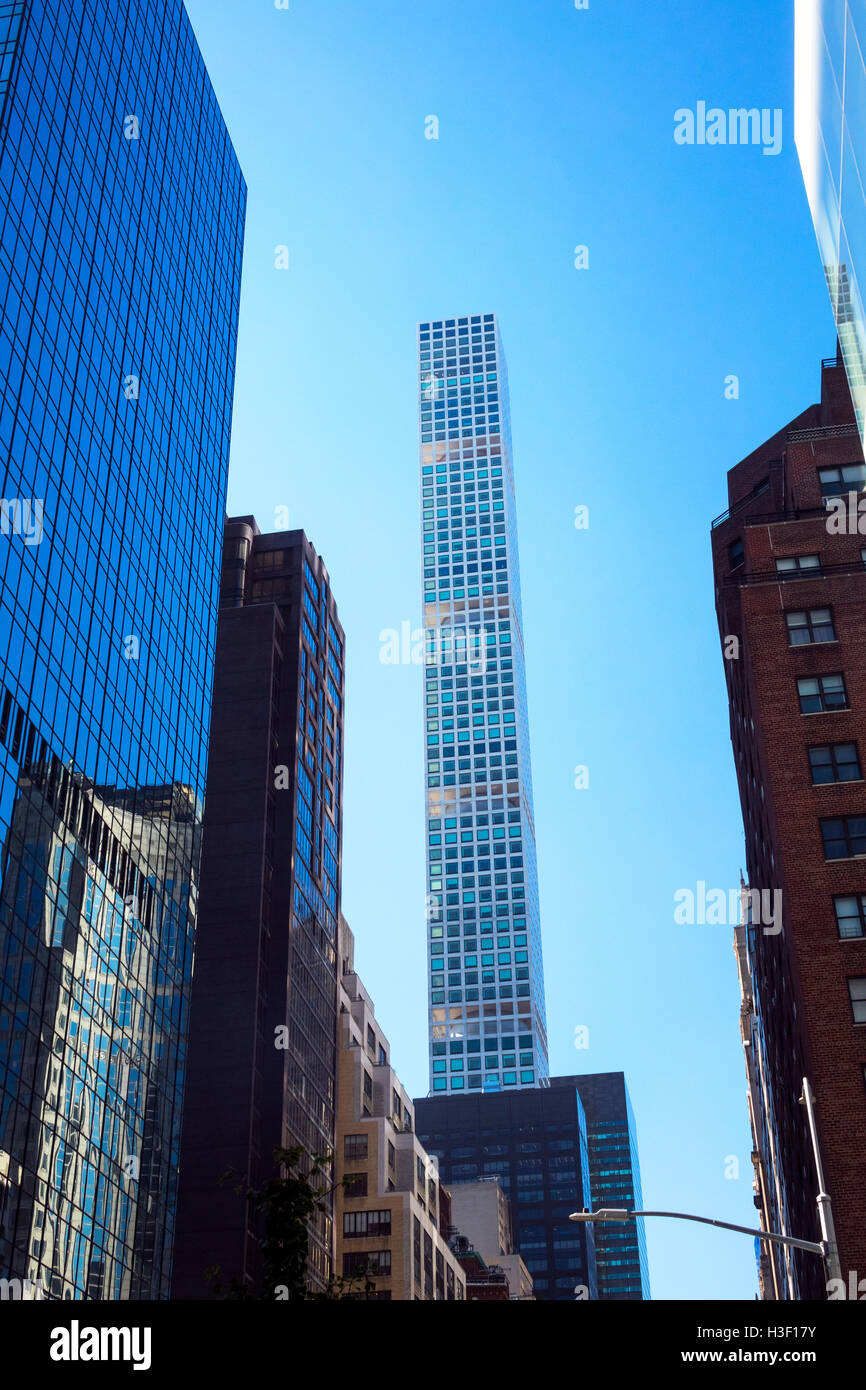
[{"x": 826, "y": 1247}]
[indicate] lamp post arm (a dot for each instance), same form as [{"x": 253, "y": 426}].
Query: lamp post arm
[
  {"x": 812, "y": 1246},
  {"x": 623, "y": 1214}
]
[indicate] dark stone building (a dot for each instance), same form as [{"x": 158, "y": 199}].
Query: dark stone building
[
  {"x": 534, "y": 1141},
  {"x": 263, "y": 1032},
  {"x": 790, "y": 587}
]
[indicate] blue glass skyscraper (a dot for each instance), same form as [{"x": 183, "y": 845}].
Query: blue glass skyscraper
[
  {"x": 614, "y": 1179},
  {"x": 121, "y": 225},
  {"x": 487, "y": 1015}
]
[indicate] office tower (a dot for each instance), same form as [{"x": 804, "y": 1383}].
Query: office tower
[
  {"x": 392, "y": 1217},
  {"x": 830, "y": 91},
  {"x": 121, "y": 225},
  {"x": 263, "y": 1027},
  {"x": 614, "y": 1181},
  {"x": 789, "y": 576},
  {"x": 535, "y": 1143},
  {"x": 487, "y": 987}
]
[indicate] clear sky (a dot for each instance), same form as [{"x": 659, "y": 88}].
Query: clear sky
[{"x": 556, "y": 129}]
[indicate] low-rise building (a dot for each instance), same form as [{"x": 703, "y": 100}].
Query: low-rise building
[
  {"x": 481, "y": 1211},
  {"x": 518, "y": 1276},
  {"x": 485, "y": 1283},
  {"x": 481, "y": 1215}
]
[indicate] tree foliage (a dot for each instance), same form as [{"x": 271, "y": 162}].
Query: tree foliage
[{"x": 281, "y": 1210}]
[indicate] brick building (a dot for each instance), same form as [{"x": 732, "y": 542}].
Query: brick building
[
  {"x": 485, "y": 1282},
  {"x": 790, "y": 590}
]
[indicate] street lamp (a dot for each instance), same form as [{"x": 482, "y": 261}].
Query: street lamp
[
  {"x": 825, "y": 1212},
  {"x": 826, "y": 1247},
  {"x": 621, "y": 1214}
]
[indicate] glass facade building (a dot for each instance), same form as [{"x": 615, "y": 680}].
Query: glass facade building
[
  {"x": 831, "y": 144},
  {"x": 486, "y": 983},
  {"x": 614, "y": 1180},
  {"x": 121, "y": 225}
]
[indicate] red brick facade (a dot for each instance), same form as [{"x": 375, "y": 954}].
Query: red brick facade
[{"x": 800, "y": 977}]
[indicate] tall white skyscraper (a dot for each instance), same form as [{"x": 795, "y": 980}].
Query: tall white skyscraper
[{"x": 486, "y": 983}]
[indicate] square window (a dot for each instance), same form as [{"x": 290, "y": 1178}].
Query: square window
[
  {"x": 844, "y": 837},
  {"x": 811, "y": 625},
  {"x": 837, "y": 482},
  {"x": 822, "y": 694},
  {"x": 834, "y": 762}
]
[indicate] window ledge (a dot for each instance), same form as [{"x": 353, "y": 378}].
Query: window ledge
[
  {"x": 811, "y": 714},
  {"x": 854, "y": 782}
]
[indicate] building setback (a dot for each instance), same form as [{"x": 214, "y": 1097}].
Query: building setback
[
  {"x": 486, "y": 981},
  {"x": 392, "y": 1216},
  {"x": 614, "y": 1181},
  {"x": 121, "y": 226},
  {"x": 534, "y": 1142},
  {"x": 788, "y": 559},
  {"x": 263, "y": 1033}
]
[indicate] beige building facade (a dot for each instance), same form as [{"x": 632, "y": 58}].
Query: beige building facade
[
  {"x": 392, "y": 1219},
  {"x": 481, "y": 1211}
]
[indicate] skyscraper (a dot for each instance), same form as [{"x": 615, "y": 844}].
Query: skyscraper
[
  {"x": 831, "y": 143},
  {"x": 535, "y": 1143},
  {"x": 486, "y": 983},
  {"x": 121, "y": 226},
  {"x": 788, "y": 558},
  {"x": 263, "y": 1030},
  {"x": 614, "y": 1181}
]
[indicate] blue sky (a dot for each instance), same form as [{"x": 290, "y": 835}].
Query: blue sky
[{"x": 556, "y": 130}]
